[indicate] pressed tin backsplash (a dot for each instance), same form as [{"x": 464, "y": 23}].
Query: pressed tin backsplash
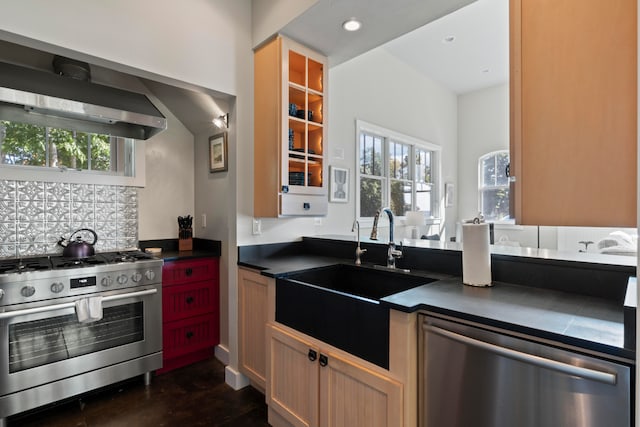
[{"x": 35, "y": 214}]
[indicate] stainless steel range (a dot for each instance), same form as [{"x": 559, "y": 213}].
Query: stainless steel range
[{"x": 48, "y": 354}]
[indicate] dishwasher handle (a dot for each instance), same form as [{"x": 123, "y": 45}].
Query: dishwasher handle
[{"x": 542, "y": 362}]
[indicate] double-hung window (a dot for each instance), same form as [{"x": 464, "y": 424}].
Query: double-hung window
[
  {"x": 395, "y": 170},
  {"x": 493, "y": 186}
]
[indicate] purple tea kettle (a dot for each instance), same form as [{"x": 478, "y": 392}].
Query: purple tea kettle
[{"x": 78, "y": 248}]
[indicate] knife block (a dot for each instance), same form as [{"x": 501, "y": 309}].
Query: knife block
[{"x": 185, "y": 239}]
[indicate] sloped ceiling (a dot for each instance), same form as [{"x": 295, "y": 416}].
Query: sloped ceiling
[{"x": 320, "y": 27}]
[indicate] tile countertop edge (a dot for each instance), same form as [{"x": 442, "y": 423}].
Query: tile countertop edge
[{"x": 410, "y": 302}]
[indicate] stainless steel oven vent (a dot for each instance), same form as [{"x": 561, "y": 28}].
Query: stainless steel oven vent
[{"x": 71, "y": 101}]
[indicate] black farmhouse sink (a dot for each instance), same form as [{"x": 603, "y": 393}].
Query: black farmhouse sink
[{"x": 340, "y": 305}]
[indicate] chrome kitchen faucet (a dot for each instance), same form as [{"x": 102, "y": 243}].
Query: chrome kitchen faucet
[{"x": 392, "y": 252}]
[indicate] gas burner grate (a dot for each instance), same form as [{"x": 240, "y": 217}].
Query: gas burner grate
[
  {"x": 67, "y": 262},
  {"x": 23, "y": 265},
  {"x": 126, "y": 256}
]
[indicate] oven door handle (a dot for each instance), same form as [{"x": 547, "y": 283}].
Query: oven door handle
[{"x": 54, "y": 307}]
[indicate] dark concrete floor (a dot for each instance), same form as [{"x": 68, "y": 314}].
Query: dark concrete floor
[{"x": 195, "y": 395}]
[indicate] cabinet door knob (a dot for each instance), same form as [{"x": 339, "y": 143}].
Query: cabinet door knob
[
  {"x": 312, "y": 355},
  {"x": 324, "y": 360},
  {"x": 189, "y": 334},
  {"x": 189, "y": 300},
  {"x": 188, "y": 272}
]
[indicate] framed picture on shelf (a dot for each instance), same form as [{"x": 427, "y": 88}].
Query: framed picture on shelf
[
  {"x": 338, "y": 184},
  {"x": 218, "y": 156}
]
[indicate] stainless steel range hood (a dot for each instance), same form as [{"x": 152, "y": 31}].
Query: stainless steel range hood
[{"x": 47, "y": 99}]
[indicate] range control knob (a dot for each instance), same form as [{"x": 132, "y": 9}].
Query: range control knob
[
  {"x": 106, "y": 281},
  {"x": 135, "y": 277},
  {"x": 150, "y": 274},
  {"x": 27, "y": 291},
  {"x": 122, "y": 279},
  {"x": 1, "y": 293},
  {"x": 57, "y": 287}
]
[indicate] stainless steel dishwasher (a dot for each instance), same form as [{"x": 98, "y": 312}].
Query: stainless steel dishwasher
[{"x": 473, "y": 377}]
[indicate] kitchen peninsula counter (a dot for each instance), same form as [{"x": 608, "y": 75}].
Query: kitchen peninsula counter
[
  {"x": 593, "y": 324},
  {"x": 570, "y": 301}
]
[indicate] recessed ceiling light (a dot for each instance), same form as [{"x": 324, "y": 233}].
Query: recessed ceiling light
[
  {"x": 351, "y": 24},
  {"x": 449, "y": 39}
]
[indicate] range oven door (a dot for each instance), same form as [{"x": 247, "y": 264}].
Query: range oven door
[{"x": 44, "y": 342}]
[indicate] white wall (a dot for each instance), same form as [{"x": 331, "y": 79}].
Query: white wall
[
  {"x": 380, "y": 89},
  {"x": 483, "y": 127},
  {"x": 169, "y": 189},
  {"x": 214, "y": 198},
  {"x": 161, "y": 37}
]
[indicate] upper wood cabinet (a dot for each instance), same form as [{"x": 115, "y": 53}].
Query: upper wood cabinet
[
  {"x": 290, "y": 130},
  {"x": 574, "y": 112}
]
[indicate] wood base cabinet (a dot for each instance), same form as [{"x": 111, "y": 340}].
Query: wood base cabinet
[
  {"x": 311, "y": 384},
  {"x": 190, "y": 311},
  {"x": 252, "y": 322}
]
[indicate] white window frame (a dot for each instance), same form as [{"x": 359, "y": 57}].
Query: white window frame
[
  {"x": 482, "y": 188},
  {"x": 130, "y": 165},
  {"x": 386, "y": 135}
]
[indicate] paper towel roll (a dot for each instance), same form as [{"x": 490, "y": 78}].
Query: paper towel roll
[{"x": 476, "y": 255}]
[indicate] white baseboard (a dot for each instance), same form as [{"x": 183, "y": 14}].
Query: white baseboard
[
  {"x": 235, "y": 379},
  {"x": 222, "y": 354}
]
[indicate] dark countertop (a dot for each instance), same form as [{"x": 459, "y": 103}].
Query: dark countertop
[
  {"x": 586, "y": 322},
  {"x": 592, "y": 323},
  {"x": 202, "y": 248},
  {"x": 278, "y": 266}
]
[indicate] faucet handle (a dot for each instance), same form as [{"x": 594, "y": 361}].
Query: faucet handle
[
  {"x": 397, "y": 253},
  {"x": 359, "y": 253}
]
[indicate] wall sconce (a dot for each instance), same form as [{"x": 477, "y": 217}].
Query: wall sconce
[{"x": 222, "y": 122}]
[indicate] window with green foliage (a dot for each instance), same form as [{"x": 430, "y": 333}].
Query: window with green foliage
[
  {"x": 396, "y": 171},
  {"x": 30, "y": 145},
  {"x": 493, "y": 186}
]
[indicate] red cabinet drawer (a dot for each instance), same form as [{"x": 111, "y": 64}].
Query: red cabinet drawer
[
  {"x": 189, "y": 270},
  {"x": 193, "y": 299},
  {"x": 189, "y": 335}
]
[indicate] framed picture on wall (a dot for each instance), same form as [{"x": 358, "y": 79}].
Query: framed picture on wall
[
  {"x": 449, "y": 194},
  {"x": 338, "y": 184},
  {"x": 218, "y": 157}
]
